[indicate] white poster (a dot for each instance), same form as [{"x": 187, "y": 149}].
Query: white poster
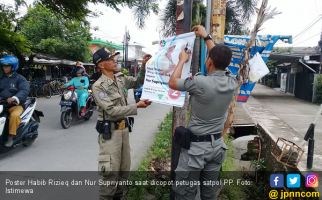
[
  {"x": 161, "y": 66},
  {"x": 258, "y": 68}
]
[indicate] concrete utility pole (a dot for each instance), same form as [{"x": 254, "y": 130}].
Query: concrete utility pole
[
  {"x": 320, "y": 44},
  {"x": 126, "y": 48},
  {"x": 208, "y": 15},
  {"x": 218, "y": 22},
  {"x": 184, "y": 17}
]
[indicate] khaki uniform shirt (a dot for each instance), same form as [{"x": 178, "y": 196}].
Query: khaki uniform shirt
[
  {"x": 210, "y": 98},
  {"x": 111, "y": 96}
]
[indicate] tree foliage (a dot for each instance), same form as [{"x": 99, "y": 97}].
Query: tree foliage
[
  {"x": 78, "y": 9},
  {"x": 318, "y": 89},
  {"x": 10, "y": 40},
  {"x": 142, "y": 9},
  {"x": 168, "y": 18},
  {"x": 51, "y": 34},
  {"x": 33, "y": 34},
  {"x": 199, "y": 13},
  {"x": 238, "y": 13}
]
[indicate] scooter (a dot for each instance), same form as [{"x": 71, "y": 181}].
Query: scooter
[
  {"x": 27, "y": 131},
  {"x": 69, "y": 107},
  {"x": 138, "y": 94}
]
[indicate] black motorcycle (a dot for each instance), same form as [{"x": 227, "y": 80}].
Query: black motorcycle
[
  {"x": 27, "y": 131},
  {"x": 69, "y": 107}
]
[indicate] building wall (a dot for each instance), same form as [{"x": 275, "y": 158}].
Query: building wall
[{"x": 304, "y": 85}]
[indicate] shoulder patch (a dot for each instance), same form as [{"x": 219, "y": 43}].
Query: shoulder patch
[
  {"x": 197, "y": 74},
  {"x": 102, "y": 94},
  {"x": 190, "y": 77}
]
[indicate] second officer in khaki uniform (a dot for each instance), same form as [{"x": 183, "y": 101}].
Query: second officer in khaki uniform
[{"x": 109, "y": 91}]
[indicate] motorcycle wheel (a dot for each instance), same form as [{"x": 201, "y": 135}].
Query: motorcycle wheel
[
  {"x": 28, "y": 142},
  {"x": 88, "y": 116},
  {"x": 46, "y": 91},
  {"x": 66, "y": 119}
]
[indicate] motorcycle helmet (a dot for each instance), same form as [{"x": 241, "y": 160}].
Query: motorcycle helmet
[{"x": 10, "y": 60}]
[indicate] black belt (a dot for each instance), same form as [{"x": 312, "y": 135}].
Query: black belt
[
  {"x": 121, "y": 124},
  {"x": 204, "y": 138},
  {"x": 118, "y": 124}
]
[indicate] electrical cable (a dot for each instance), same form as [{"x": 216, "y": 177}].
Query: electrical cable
[
  {"x": 297, "y": 39},
  {"x": 307, "y": 39},
  {"x": 309, "y": 26}
]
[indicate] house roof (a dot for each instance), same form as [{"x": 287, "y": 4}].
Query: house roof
[
  {"x": 107, "y": 44},
  {"x": 51, "y": 60},
  {"x": 309, "y": 55},
  {"x": 296, "y": 51}
]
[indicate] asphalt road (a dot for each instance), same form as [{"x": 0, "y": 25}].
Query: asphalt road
[
  {"x": 76, "y": 149},
  {"x": 296, "y": 113}
]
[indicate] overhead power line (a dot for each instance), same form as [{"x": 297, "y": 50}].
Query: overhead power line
[
  {"x": 307, "y": 39},
  {"x": 298, "y": 39},
  {"x": 316, "y": 20}
]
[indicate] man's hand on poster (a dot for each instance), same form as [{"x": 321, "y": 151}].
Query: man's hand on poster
[
  {"x": 185, "y": 54},
  {"x": 148, "y": 102},
  {"x": 146, "y": 58},
  {"x": 200, "y": 31},
  {"x": 143, "y": 103}
]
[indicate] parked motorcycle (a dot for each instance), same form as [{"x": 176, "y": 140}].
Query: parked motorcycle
[
  {"x": 69, "y": 107},
  {"x": 27, "y": 131},
  {"x": 138, "y": 94}
]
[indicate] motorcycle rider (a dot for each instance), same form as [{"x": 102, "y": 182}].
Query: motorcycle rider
[
  {"x": 14, "y": 88},
  {"x": 81, "y": 83},
  {"x": 75, "y": 68},
  {"x": 97, "y": 74}
]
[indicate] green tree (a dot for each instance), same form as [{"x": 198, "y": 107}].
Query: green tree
[
  {"x": 79, "y": 8},
  {"x": 10, "y": 39},
  {"x": 16, "y": 42},
  {"x": 238, "y": 13},
  {"x": 51, "y": 34}
]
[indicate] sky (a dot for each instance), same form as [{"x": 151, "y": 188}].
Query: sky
[
  {"x": 111, "y": 26},
  {"x": 295, "y": 19}
]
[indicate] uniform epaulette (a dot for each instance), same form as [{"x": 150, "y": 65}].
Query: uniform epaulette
[{"x": 119, "y": 74}]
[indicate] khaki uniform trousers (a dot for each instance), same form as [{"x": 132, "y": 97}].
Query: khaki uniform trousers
[
  {"x": 200, "y": 164},
  {"x": 14, "y": 119},
  {"x": 114, "y": 163}
]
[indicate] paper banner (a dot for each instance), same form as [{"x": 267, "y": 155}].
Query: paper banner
[{"x": 161, "y": 66}]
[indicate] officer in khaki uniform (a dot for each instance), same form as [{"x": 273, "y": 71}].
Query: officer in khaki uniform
[
  {"x": 210, "y": 97},
  {"x": 110, "y": 93}
]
